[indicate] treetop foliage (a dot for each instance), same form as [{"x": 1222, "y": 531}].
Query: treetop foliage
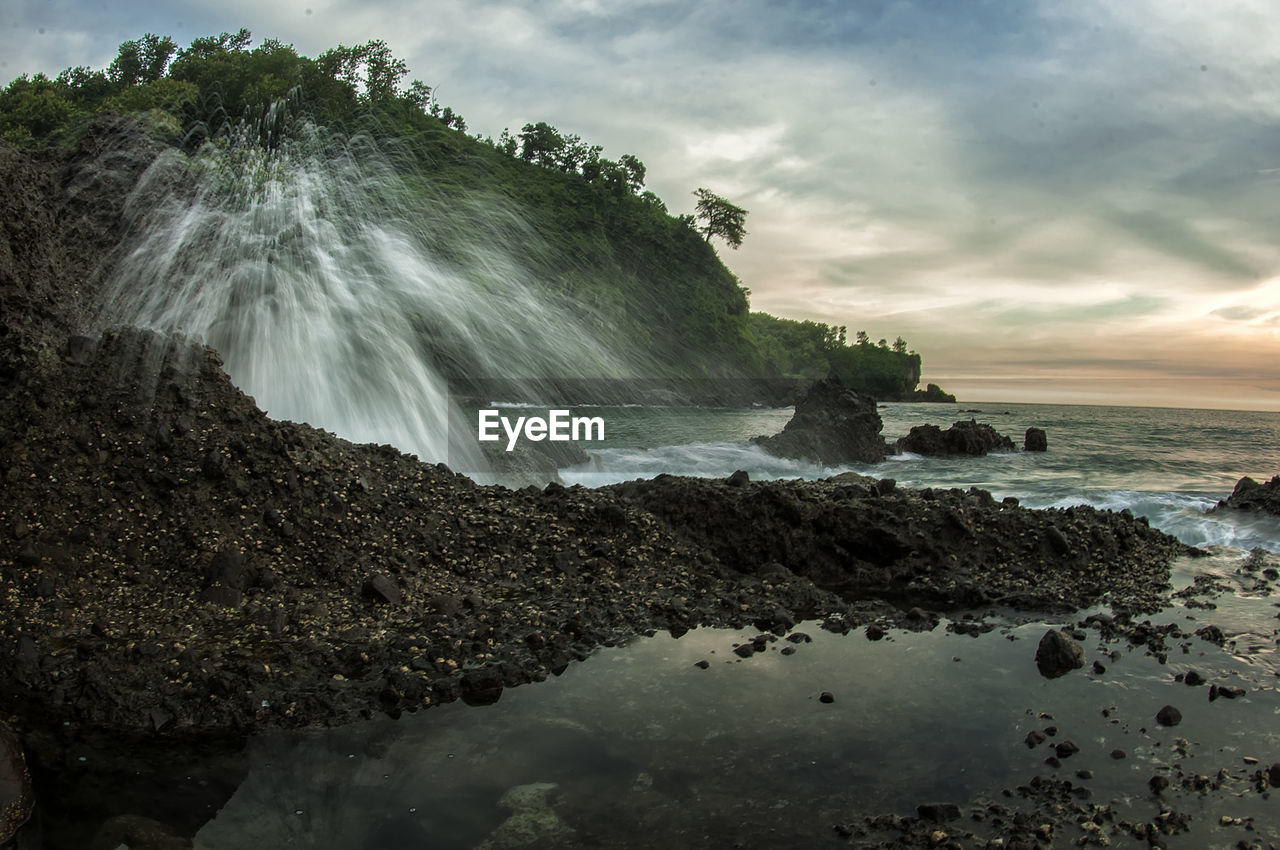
[{"x": 719, "y": 217}]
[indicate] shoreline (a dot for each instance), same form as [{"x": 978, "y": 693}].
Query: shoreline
[{"x": 176, "y": 558}]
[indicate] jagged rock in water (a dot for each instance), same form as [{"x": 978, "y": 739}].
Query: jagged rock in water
[
  {"x": 1035, "y": 440},
  {"x": 832, "y": 424},
  {"x": 934, "y": 394},
  {"x": 962, "y": 438},
  {"x": 1249, "y": 495},
  {"x": 1058, "y": 654}
]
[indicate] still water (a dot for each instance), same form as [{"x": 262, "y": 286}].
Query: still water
[{"x": 641, "y": 747}]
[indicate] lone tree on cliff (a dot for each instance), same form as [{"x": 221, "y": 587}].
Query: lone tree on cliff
[{"x": 720, "y": 218}]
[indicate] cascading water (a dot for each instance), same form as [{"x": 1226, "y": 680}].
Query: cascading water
[{"x": 340, "y": 291}]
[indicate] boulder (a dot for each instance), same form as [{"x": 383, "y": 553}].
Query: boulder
[
  {"x": 1249, "y": 495},
  {"x": 1035, "y": 441},
  {"x": 832, "y": 424},
  {"x": 1058, "y": 654},
  {"x": 963, "y": 438}
]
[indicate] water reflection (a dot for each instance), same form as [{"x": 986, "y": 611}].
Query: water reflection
[{"x": 641, "y": 747}]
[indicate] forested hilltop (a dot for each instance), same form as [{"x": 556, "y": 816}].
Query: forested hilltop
[{"x": 646, "y": 281}]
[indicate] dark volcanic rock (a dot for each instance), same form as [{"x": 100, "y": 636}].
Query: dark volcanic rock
[
  {"x": 1249, "y": 495},
  {"x": 932, "y": 393},
  {"x": 832, "y": 424},
  {"x": 963, "y": 438},
  {"x": 1168, "y": 716},
  {"x": 380, "y": 588},
  {"x": 17, "y": 799},
  {"x": 938, "y": 812},
  {"x": 1035, "y": 440},
  {"x": 1058, "y": 654}
]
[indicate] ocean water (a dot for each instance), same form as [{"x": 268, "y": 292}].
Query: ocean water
[{"x": 1167, "y": 464}]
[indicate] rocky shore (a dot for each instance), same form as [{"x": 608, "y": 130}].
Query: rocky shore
[
  {"x": 1249, "y": 495},
  {"x": 174, "y": 565}
]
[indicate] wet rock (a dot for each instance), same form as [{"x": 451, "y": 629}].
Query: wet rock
[
  {"x": 1211, "y": 633},
  {"x": 1058, "y": 654},
  {"x": 1168, "y": 716},
  {"x": 481, "y": 686},
  {"x": 1035, "y": 441},
  {"x": 832, "y": 424},
  {"x": 17, "y": 797},
  {"x": 1273, "y": 775},
  {"x": 1066, "y": 749},
  {"x": 1034, "y": 738},
  {"x": 1225, "y": 691},
  {"x": 938, "y": 812},
  {"x": 826, "y": 697},
  {"x": 1249, "y": 495},
  {"x": 1158, "y": 783},
  {"x": 740, "y": 478},
  {"x": 1193, "y": 678},
  {"x": 963, "y": 438}
]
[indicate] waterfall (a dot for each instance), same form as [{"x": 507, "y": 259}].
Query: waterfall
[{"x": 341, "y": 287}]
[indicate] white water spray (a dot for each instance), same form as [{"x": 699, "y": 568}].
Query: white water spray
[{"x": 341, "y": 292}]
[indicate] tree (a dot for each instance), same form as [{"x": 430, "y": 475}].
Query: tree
[
  {"x": 900, "y": 345},
  {"x": 541, "y": 143},
  {"x": 720, "y": 218},
  {"x": 862, "y": 338},
  {"x": 142, "y": 61}
]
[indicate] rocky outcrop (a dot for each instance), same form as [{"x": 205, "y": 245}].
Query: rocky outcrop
[
  {"x": 1035, "y": 440},
  {"x": 1249, "y": 495},
  {"x": 932, "y": 394},
  {"x": 963, "y": 438},
  {"x": 1058, "y": 654},
  {"x": 832, "y": 424}
]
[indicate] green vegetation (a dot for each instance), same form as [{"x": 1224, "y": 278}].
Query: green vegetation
[
  {"x": 812, "y": 350},
  {"x": 596, "y": 239}
]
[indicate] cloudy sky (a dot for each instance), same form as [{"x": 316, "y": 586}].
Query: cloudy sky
[{"x": 1050, "y": 201}]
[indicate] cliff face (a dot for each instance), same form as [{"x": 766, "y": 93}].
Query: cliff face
[{"x": 61, "y": 224}]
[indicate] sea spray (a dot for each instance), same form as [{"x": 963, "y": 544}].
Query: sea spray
[{"x": 342, "y": 288}]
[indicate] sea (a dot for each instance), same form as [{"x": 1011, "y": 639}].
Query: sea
[
  {"x": 668, "y": 741},
  {"x": 1170, "y": 465}
]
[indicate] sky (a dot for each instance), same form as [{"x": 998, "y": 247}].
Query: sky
[{"x": 1052, "y": 202}]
